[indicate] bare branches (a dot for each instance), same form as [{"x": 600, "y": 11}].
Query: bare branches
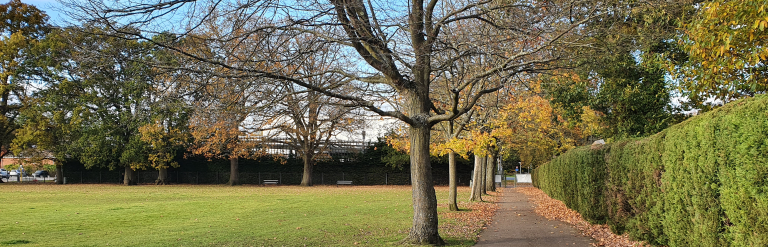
[{"x": 499, "y": 39}]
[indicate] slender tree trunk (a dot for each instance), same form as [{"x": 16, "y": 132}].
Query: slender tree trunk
[
  {"x": 306, "y": 179},
  {"x": 59, "y": 174},
  {"x": 131, "y": 177},
  {"x": 234, "y": 171},
  {"x": 452, "y": 183},
  {"x": 477, "y": 176},
  {"x": 424, "y": 229},
  {"x": 490, "y": 168},
  {"x": 483, "y": 165},
  {"x": 162, "y": 176}
]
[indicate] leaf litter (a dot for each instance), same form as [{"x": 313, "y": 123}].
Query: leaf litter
[
  {"x": 553, "y": 209},
  {"x": 472, "y": 218}
]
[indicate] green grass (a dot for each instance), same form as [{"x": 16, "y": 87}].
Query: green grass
[{"x": 200, "y": 215}]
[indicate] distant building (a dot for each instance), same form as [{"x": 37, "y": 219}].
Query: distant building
[{"x": 10, "y": 160}]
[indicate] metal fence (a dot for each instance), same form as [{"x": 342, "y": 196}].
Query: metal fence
[{"x": 148, "y": 177}]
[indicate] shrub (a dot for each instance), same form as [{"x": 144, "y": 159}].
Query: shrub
[{"x": 703, "y": 182}]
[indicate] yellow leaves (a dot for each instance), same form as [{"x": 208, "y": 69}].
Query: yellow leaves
[
  {"x": 536, "y": 130},
  {"x": 399, "y": 141},
  {"x": 725, "y": 42},
  {"x": 590, "y": 122},
  {"x": 460, "y": 146},
  {"x": 163, "y": 141}
]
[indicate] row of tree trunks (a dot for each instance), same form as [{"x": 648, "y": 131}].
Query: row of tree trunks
[{"x": 483, "y": 176}]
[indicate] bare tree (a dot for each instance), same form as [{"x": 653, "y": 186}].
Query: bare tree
[
  {"x": 397, "y": 45},
  {"x": 309, "y": 119}
]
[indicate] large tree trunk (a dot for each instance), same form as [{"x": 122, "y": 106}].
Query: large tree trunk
[
  {"x": 424, "y": 229},
  {"x": 306, "y": 179},
  {"x": 131, "y": 177},
  {"x": 477, "y": 176},
  {"x": 59, "y": 174},
  {"x": 234, "y": 171},
  {"x": 452, "y": 183},
  {"x": 490, "y": 168},
  {"x": 162, "y": 176}
]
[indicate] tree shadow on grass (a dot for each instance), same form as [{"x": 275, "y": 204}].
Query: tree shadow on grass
[{"x": 17, "y": 241}]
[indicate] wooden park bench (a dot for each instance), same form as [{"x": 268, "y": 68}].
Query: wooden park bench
[
  {"x": 343, "y": 182},
  {"x": 270, "y": 181}
]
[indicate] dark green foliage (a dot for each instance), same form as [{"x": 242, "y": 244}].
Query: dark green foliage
[
  {"x": 392, "y": 157},
  {"x": 579, "y": 175},
  {"x": 369, "y": 161},
  {"x": 633, "y": 97},
  {"x": 703, "y": 182}
]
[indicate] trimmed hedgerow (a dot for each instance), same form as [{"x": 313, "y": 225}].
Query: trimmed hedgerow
[{"x": 703, "y": 182}]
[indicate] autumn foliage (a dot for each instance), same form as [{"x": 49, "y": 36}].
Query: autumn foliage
[
  {"x": 535, "y": 130},
  {"x": 726, "y": 45}
]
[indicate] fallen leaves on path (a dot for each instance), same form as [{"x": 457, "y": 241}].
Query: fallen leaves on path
[
  {"x": 471, "y": 220},
  {"x": 556, "y": 210}
]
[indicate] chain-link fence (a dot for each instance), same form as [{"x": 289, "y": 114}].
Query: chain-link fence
[{"x": 148, "y": 177}]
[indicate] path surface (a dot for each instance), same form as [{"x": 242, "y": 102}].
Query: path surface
[{"x": 515, "y": 224}]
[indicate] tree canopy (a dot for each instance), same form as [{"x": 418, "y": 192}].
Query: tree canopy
[{"x": 725, "y": 42}]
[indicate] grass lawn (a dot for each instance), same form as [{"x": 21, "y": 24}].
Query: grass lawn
[{"x": 211, "y": 215}]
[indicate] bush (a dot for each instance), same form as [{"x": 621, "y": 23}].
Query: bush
[
  {"x": 703, "y": 182},
  {"x": 11, "y": 167}
]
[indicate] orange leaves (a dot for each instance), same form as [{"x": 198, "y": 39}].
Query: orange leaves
[
  {"x": 399, "y": 141},
  {"x": 221, "y": 139},
  {"x": 536, "y": 130},
  {"x": 466, "y": 224},
  {"x": 556, "y": 210}
]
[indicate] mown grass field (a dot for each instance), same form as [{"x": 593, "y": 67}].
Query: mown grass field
[{"x": 215, "y": 215}]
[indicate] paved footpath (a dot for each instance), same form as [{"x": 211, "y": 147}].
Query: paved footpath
[{"x": 515, "y": 224}]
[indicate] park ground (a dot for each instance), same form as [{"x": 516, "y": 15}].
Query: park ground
[{"x": 216, "y": 215}]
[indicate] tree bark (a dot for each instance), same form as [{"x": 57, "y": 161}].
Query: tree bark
[
  {"x": 490, "y": 168},
  {"x": 452, "y": 183},
  {"x": 424, "y": 229},
  {"x": 162, "y": 176},
  {"x": 59, "y": 174},
  {"x": 306, "y": 179},
  {"x": 483, "y": 164},
  {"x": 477, "y": 194},
  {"x": 131, "y": 177},
  {"x": 234, "y": 171}
]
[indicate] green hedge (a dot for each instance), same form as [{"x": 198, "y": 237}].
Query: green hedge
[{"x": 703, "y": 182}]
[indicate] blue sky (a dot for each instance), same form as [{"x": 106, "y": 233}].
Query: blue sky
[{"x": 50, "y": 8}]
